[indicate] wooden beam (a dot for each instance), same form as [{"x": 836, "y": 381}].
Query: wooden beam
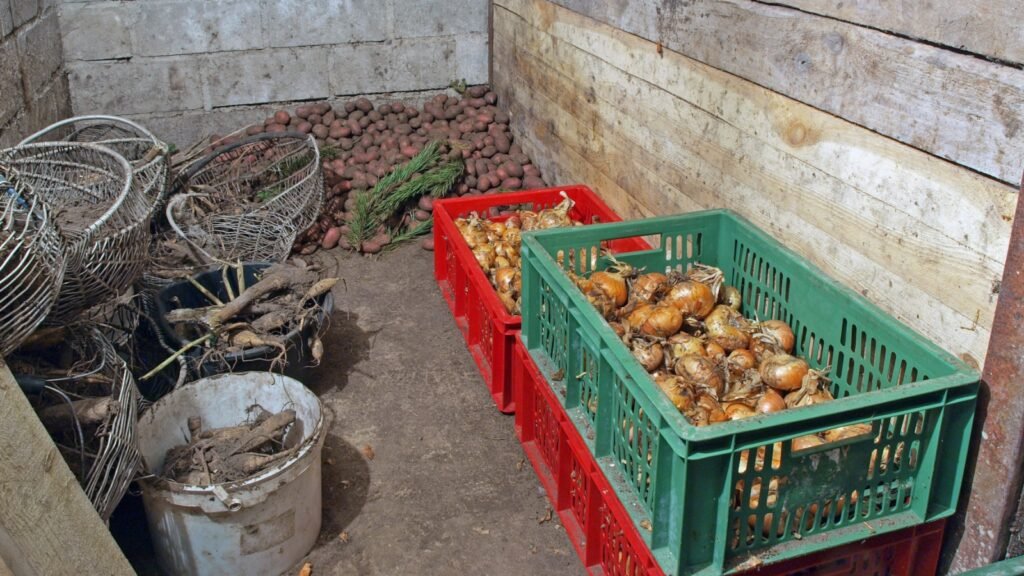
[
  {"x": 47, "y": 524},
  {"x": 952, "y": 105},
  {"x": 989, "y": 28},
  {"x": 661, "y": 133}
]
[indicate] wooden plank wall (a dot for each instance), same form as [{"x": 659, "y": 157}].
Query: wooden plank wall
[{"x": 886, "y": 161}]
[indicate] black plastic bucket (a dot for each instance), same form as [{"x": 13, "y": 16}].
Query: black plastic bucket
[{"x": 259, "y": 359}]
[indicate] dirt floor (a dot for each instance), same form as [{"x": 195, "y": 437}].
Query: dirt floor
[{"x": 422, "y": 475}]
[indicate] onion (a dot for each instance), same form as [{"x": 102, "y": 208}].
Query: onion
[
  {"x": 649, "y": 354},
  {"x": 714, "y": 351},
  {"x": 504, "y": 278},
  {"x": 844, "y": 432},
  {"x": 510, "y": 304},
  {"x": 781, "y": 332},
  {"x": 691, "y": 298},
  {"x": 512, "y": 235},
  {"x": 649, "y": 287},
  {"x": 741, "y": 360},
  {"x": 713, "y": 409},
  {"x": 662, "y": 322},
  {"x": 738, "y": 410},
  {"x": 727, "y": 328},
  {"x": 701, "y": 372},
  {"x": 484, "y": 255},
  {"x": 731, "y": 297},
  {"x": 784, "y": 372},
  {"x": 806, "y": 442},
  {"x": 495, "y": 230},
  {"x": 810, "y": 392},
  {"x": 679, "y": 394},
  {"x": 618, "y": 328},
  {"x": 639, "y": 316},
  {"x": 612, "y": 285},
  {"x": 770, "y": 402},
  {"x": 682, "y": 344}
]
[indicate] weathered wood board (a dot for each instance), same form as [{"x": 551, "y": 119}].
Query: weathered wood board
[
  {"x": 47, "y": 525},
  {"x": 660, "y": 133},
  {"x": 956, "y": 106},
  {"x": 989, "y": 28}
]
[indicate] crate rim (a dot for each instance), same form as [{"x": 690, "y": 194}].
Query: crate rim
[{"x": 851, "y": 408}]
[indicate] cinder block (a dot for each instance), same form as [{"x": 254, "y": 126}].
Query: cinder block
[
  {"x": 40, "y": 47},
  {"x": 11, "y": 96},
  {"x": 322, "y": 22},
  {"x": 197, "y": 26},
  {"x": 6, "y": 18},
  {"x": 97, "y": 30},
  {"x": 138, "y": 86},
  {"x": 471, "y": 58},
  {"x": 49, "y": 106},
  {"x": 414, "y": 18},
  {"x": 24, "y": 10},
  {"x": 392, "y": 66},
  {"x": 235, "y": 78}
]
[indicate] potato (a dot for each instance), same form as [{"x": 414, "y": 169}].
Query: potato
[
  {"x": 422, "y": 215},
  {"x": 375, "y": 115},
  {"x": 319, "y": 131},
  {"x": 336, "y": 133},
  {"x": 370, "y": 247},
  {"x": 427, "y": 243},
  {"x": 331, "y": 237},
  {"x": 281, "y": 117},
  {"x": 511, "y": 184},
  {"x": 476, "y": 91},
  {"x": 475, "y": 102},
  {"x": 254, "y": 130},
  {"x": 380, "y": 125},
  {"x": 277, "y": 128},
  {"x": 488, "y": 151},
  {"x": 350, "y": 106},
  {"x": 426, "y": 203},
  {"x": 530, "y": 170},
  {"x": 303, "y": 111},
  {"x": 491, "y": 98},
  {"x": 531, "y": 182},
  {"x": 410, "y": 151},
  {"x": 512, "y": 169},
  {"x": 502, "y": 144},
  {"x": 304, "y": 127},
  {"x": 364, "y": 104},
  {"x": 314, "y": 119}
]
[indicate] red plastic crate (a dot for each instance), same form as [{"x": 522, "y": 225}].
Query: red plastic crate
[
  {"x": 485, "y": 324},
  {"x": 603, "y": 533}
]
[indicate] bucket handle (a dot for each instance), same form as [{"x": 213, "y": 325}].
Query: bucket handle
[{"x": 230, "y": 502}]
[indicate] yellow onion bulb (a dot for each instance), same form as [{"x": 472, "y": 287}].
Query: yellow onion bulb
[
  {"x": 770, "y": 402},
  {"x": 781, "y": 333},
  {"x": 648, "y": 287},
  {"x": 700, "y": 371},
  {"x": 613, "y": 285},
  {"x": 662, "y": 322},
  {"x": 784, "y": 372},
  {"x": 681, "y": 344},
  {"x": 649, "y": 355},
  {"x": 731, "y": 297},
  {"x": 692, "y": 298},
  {"x": 726, "y": 327},
  {"x": 505, "y": 278}
]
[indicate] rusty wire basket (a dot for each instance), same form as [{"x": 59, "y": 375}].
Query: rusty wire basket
[
  {"x": 103, "y": 219},
  {"x": 89, "y": 404},
  {"x": 31, "y": 261},
  {"x": 247, "y": 201}
]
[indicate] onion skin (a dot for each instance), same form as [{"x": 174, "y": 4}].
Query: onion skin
[
  {"x": 693, "y": 299},
  {"x": 738, "y": 411},
  {"x": 682, "y": 344},
  {"x": 741, "y": 360},
  {"x": 784, "y": 372},
  {"x": 650, "y": 356},
  {"x": 679, "y": 394},
  {"x": 714, "y": 351},
  {"x": 700, "y": 371},
  {"x": 639, "y": 316}
]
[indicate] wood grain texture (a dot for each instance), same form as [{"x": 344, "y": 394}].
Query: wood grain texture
[
  {"x": 952, "y": 105},
  {"x": 48, "y": 524},
  {"x": 662, "y": 134},
  {"x": 990, "y": 28}
]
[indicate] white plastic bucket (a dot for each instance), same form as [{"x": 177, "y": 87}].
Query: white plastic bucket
[{"x": 262, "y": 525}]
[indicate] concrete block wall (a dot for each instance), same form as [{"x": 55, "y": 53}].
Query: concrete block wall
[
  {"x": 224, "y": 62},
  {"x": 33, "y": 87}
]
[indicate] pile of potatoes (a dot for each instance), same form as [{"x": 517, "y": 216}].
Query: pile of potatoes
[{"x": 360, "y": 143}]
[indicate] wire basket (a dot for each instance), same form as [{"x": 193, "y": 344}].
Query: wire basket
[
  {"x": 146, "y": 154},
  {"x": 248, "y": 201},
  {"x": 31, "y": 261},
  {"x": 103, "y": 219},
  {"x": 97, "y": 442}
]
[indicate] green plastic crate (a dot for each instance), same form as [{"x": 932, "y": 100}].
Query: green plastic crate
[
  {"x": 685, "y": 483},
  {"x": 1010, "y": 567}
]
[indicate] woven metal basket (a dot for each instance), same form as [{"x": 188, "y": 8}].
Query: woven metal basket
[
  {"x": 31, "y": 261},
  {"x": 103, "y": 456},
  {"x": 102, "y": 218},
  {"x": 247, "y": 201}
]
